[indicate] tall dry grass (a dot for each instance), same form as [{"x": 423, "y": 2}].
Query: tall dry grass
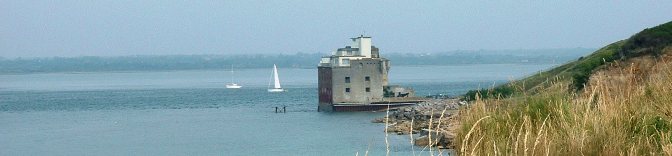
[{"x": 625, "y": 110}]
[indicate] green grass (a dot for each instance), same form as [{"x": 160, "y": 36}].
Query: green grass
[
  {"x": 648, "y": 42},
  {"x": 577, "y": 72}
]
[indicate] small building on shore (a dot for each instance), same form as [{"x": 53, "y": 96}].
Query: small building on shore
[{"x": 355, "y": 78}]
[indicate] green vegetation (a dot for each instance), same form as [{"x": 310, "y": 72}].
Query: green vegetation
[
  {"x": 648, "y": 42},
  {"x": 498, "y": 92},
  {"x": 584, "y": 68},
  {"x": 577, "y": 72},
  {"x": 624, "y": 109}
]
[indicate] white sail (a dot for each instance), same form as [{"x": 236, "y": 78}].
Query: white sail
[
  {"x": 276, "y": 81},
  {"x": 275, "y": 77}
]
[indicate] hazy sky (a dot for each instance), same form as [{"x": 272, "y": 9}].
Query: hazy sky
[{"x": 73, "y": 28}]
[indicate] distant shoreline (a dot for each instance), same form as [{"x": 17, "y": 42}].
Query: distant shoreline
[
  {"x": 225, "y": 69},
  {"x": 299, "y": 60}
]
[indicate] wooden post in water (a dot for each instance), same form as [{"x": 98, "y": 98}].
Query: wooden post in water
[{"x": 276, "y": 109}]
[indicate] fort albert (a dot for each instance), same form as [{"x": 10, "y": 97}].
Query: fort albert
[{"x": 355, "y": 78}]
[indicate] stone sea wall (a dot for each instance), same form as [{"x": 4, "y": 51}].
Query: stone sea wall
[{"x": 436, "y": 116}]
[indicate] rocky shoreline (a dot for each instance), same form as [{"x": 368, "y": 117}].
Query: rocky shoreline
[{"x": 438, "y": 113}]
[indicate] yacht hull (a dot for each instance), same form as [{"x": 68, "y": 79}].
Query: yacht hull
[
  {"x": 272, "y": 90},
  {"x": 234, "y": 87}
]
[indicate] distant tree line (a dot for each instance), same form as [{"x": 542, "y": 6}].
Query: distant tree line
[
  {"x": 298, "y": 60},
  {"x": 149, "y": 62}
]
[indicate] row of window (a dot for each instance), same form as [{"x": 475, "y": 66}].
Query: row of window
[
  {"x": 347, "y": 79},
  {"x": 347, "y": 90}
]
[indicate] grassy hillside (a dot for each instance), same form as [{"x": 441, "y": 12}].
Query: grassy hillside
[
  {"x": 649, "y": 42},
  {"x": 616, "y": 101}
]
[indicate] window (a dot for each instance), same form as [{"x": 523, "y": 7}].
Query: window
[
  {"x": 367, "y": 78},
  {"x": 347, "y": 79},
  {"x": 368, "y": 89},
  {"x": 347, "y": 90}
]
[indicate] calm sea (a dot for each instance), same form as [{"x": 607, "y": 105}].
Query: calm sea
[{"x": 191, "y": 113}]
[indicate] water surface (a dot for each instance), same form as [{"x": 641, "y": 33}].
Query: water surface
[{"x": 190, "y": 112}]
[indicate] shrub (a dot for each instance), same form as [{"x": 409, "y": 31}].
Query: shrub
[{"x": 497, "y": 92}]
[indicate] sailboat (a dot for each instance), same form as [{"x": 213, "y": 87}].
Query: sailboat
[
  {"x": 232, "y": 85},
  {"x": 276, "y": 81}
]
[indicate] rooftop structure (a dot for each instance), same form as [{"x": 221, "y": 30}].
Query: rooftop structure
[{"x": 361, "y": 48}]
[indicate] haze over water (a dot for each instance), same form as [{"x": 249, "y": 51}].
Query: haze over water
[{"x": 190, "y": 112}]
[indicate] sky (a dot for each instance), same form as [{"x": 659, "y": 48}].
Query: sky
[{"x": 46, "y": 28}]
